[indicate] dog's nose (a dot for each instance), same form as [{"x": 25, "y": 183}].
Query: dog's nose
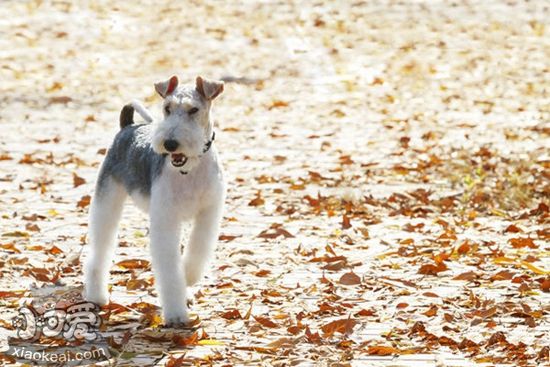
[{"x": 170, "y": 145}]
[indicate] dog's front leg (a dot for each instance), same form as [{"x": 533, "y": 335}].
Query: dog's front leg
[
  {"x": 202, "y": 242},
  {"x": 166, "y": 255}
]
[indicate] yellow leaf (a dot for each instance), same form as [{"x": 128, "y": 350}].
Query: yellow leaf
[
  {"x": 534, "y": 269},
  {"x": 386, "y": 254},
  {"x": 210, "y": 342},
  {"x": 139, "y": 234},
  {"x": 504, "y": 260},
  {"x": 498, "y": 213},
  {"x": 15, "y": 234}
]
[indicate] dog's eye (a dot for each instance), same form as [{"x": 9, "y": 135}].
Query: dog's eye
[
  {"x": 167, "y": 109},
  {"x": 193, "y": 110}
]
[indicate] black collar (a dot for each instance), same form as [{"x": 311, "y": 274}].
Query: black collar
[
  {"x": 206, "y": 148},
  {"x": 209, "y": 143}
]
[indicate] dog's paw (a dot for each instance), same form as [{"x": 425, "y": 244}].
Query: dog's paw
[{"x": 176, "y": 321}]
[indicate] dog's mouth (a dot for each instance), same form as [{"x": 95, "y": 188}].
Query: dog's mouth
[{"x": 178, "y": 159}]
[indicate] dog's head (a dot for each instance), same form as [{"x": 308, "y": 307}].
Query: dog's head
[{"x": 186, "y": 127}]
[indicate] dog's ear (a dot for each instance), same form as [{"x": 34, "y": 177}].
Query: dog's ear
[
  {"x": 167, "y": 87},
  {"x": 209, "y": 89}
]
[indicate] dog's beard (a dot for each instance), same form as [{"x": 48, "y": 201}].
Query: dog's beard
[
  {"x": 182, "y": 162},
  {"x": 178, "y": 159}
]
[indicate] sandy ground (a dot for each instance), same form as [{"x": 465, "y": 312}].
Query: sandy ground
[{"x": 388, "y": 176}]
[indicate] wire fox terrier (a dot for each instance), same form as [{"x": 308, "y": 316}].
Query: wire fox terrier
[{"x": 172, "y": 171}]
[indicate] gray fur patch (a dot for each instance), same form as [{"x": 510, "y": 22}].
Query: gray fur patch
[{"x": 131, "y": 160}]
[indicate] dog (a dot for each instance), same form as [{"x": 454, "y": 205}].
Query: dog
[{"x": 172, "y": 171}]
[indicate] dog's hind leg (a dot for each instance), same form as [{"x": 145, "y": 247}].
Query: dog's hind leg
[
  {"x": 202, "y": 243},
  {"x": 105, "y": 213}
]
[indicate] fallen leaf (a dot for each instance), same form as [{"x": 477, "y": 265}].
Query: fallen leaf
[
  {"x": 231, "y": 315},
  {"x": 430, "y": 269},
  {"x": 210, "y": 342},
  {"x": 277, "y": 104},
  {"x": 432, "y": 311},
  {"x": 84, "y": 201},
  {"x": 264, "y": 321},
  {"x": 60, "y": 99},
  {"x": 262, "y": 273},
  {"x": 469, "y": 276},
  {"x": 134, "y": 264},
  {"x": 183, "y": 341},
  {"x": 350, "y": 279},
  {"x": 16, "y": 234},
  {"x": 378, "y": 350},
  {"x": 342, "y": 326},
  {"x": 77, "y": 180},
  {"x": 512, "y": 228},
  {"x": 227, "y": 238},
  {"x": 258, "y": 200},
  {"x": 522, "y": 242}
]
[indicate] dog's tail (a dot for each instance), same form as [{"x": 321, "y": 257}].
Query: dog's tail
[{"x": 127, "y": 113}]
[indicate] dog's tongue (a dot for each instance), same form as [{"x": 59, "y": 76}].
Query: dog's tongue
[{"x": 177, "y": 156}]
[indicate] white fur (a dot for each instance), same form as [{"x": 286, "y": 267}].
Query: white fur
[
  {"x": 197, "y": 196},
  {"x": 143, "y": 112},
  {"x": 105, "y": 212}
]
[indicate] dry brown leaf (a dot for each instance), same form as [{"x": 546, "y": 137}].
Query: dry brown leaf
[
  {"x": 227, "y": 238},
  {"x": 84, "y": 201},
  {"x": 264, "y": 321},
  {"x": 262, "y": 273},
  {"x": 232, "y": 315},
  {"x": 60, "y": 99},
  {"x": 365, "y": 313},
  {"x": 77, "y": 180},
  {"x": 11, "y": 294},
  {"x": 275, "y": 231},
  {"x": 430, "y": 269},
  {"x": 350, "y": 279},
  {"x": 378, "y": 350},
  {"x": 258, "y": 200},
  {"x": 10, "y": 247},
  {"x": 282, "y": 343},
  {"x": 469, "y": 276},
  {"x": 184, "y": 341},
  {"x": 432, "y": 311},
  {"x": 134, "y": 264},
  {"x": 342, "y": 326},
  {"x": 503, "y": 275},
  {"x": 33, "y": 227},
  {"x": 137, "y": 284},
  {"x": 277, "y": 104},
  {"x": 522, "y": 242},
  {"x": 54, "y": 250}
]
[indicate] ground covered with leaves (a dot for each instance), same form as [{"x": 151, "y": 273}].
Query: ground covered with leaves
[{"x": 387, "y": 163}]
